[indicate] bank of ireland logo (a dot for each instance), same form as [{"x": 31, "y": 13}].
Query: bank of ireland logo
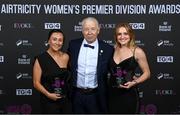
[
  {"x": 24, "y": 59},
  {"x": 78, "y": 28},
  {"x": 165, "y": 27}
]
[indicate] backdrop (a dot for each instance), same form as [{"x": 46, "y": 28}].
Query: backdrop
[{"x": 24, "y": 27}]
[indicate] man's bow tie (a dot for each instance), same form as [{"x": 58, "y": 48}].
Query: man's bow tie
[{"x": 87, "y": 45}]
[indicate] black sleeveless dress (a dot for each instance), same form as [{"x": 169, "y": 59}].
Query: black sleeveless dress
[
  {"x": 54, "y": 79},
  {"x": 121, "y": 100}
]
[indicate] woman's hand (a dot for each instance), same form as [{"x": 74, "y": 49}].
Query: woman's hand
[
  {"x": 54, "y": 96},
  {"x": 128, "y": 84}
]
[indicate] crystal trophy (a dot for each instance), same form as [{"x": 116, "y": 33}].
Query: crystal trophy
[
  {"x": 120, "y": 76},
  {"x": 58, "y": 86}
]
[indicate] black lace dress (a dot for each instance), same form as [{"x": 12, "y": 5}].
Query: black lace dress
[
  {"x": 123, "y": 100},
  {"x": 54, "y": 79}
]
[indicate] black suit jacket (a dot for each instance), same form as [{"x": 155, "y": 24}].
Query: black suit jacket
[{"x": 104, "y": 56}]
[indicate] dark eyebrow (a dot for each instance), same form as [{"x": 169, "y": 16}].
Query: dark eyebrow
[{"x": 122, "y": 33}]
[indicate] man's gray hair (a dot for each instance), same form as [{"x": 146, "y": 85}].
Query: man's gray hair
[{"x": 90, "y": 19}]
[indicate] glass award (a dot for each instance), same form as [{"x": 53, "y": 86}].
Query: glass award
[
  {"x": 58, "y": 86},
  {"x": 120, "y": 76},
  {"x": 120, "y": 81}
]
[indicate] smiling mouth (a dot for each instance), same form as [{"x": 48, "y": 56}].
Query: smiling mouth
[{"x": 123, "y": 40}]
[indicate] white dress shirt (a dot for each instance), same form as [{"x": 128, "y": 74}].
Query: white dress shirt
[{"x": 87, "y": 66}]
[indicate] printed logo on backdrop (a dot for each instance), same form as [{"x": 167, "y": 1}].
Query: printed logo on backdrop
[
  {"x": 19, "y": 109},
  {"x": 165, "y": 76},
  {"x": 1, "y": 59},
  {"x": 148, "y": 109},
  {"x": 78, "y": 27},
  {"x": 23, "y": 76},
  {"x": 24, "y": 92},
  {"x": 165, "y": 43},
  {"x": 52, "y": 25},
  {"x": 24, "y": 59},
  {"x": 110, "y": 42},
  {"x": 23, "y": 25},
  {"x": 137, "y": 26},
  {"x": 107, "y": 26},
  {"x": 165, "y": 27},
  {"x": 139, "y": 43},
  {"x": 46, "y": 43},
  {"x": 23, "y": 43},
  {"x": 165, "y": 92},
  {"x": 165, "y": 59}
]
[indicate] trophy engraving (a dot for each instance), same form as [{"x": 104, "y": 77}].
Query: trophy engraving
[
  {"x": 120, "y": 76},
  {"x": 58, "y": 86}
]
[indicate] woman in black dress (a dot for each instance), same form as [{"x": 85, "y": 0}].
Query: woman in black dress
[
  {"x": 50, "y": 75},
  {"x": 123, "y": 93}
]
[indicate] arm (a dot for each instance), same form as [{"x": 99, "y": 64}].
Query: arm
[
  {"x": 143, "y": 63},
  {"x": 37, "y": 72}
]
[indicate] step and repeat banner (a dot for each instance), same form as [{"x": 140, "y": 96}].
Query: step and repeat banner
[{"x": 24, "y": 27}]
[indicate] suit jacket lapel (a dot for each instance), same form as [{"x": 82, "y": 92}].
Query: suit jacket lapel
[
  {"x": 77, "y": 50},
  {"x": 100, "y": 54}
]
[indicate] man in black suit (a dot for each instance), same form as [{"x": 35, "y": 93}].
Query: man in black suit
[{"x": 89, "y": 59}]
